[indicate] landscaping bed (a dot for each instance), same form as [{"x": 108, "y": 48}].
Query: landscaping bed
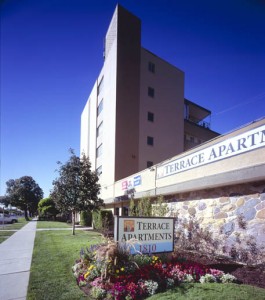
[
  {"x": 56, "y": 251},
  {"x": 108, "y": 272},
  {"x": 246, "y": 274}
]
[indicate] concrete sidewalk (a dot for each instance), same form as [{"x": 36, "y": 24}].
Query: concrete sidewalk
[{"x": 15, "y": 261}]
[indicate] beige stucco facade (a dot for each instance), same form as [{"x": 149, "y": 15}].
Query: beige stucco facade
[
  {"x": 145, "y": 139},
  {"x": 214, "y": 185},
  {"x": 167, "y": 107},
  {"x": 219, "y": 167},
  {"x": 134, "y": 116}
]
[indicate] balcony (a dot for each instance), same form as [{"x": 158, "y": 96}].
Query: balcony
[
  {"x": 197, "y": 129},
  {"x": 196, "y": 114}
]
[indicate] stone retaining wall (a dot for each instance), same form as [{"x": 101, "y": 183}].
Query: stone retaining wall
[{"x": 231, "y": 212}]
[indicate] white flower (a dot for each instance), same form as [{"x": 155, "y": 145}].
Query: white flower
[
  {"x": 207, "y": 278},
  {"x": 151, "y": 286},
  {"x": 188, "y": 278},
  {"x": 227, "y": 278},
  {"x": 170, "y": 283}
]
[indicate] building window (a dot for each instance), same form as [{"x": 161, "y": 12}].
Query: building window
[
  {"x": 100, "y": 86},
  {"x": 100, "y": 129},
  {"x": 149, "y": 164},
  {"x": 150, "y": 117},
  {"x": 99, "y": 170},
  {"x": 151, "y": 92},
  {"x": 100, "y": 107},
  {"x": 150, "y": 141},
  {"x": 99, "y": 151},
  {"x": 151, "y": 67}
]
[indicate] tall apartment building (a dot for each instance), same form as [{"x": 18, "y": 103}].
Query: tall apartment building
[{"x": 136, "y": 114}]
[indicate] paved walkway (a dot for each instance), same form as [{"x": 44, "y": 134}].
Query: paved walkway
[{"x": 15, "y": 262}]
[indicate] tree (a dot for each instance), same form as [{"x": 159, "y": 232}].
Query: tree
[
  {"x": 146, "y": 208},
  {"x": 46, "y": 207},
  {"x": 77, "y": 187},
  {"x": 24, "y": 193},
  {"x": 160, "y": 208},
  {"x": 5, "y": 200},
  {"x": 143, "y": 207}
]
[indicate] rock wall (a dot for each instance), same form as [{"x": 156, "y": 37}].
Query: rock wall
[{"x": 231, "y": 212}]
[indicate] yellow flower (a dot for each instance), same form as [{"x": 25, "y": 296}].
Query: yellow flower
[
  {"x": 86, "y": 275},
  {"x": 122, "y": 269},
  {"x": 91, "y": 267},
  {"x": 117, "y": 271}
]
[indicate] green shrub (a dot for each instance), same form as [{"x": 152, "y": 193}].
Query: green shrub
[
  {"x": 47, "y": 209},
  {"x": 102, "y": 219},
  {"x": 147, "y": 207},
  {"x": 86, "y": 218}
]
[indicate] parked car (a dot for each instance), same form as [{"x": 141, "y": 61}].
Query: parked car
[{"x": 6, "y": 218}]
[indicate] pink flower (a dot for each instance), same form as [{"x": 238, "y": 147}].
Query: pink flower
[{"x": 216, "y": 273}]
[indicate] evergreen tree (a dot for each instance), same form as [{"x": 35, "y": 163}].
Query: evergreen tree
[
  {"x": 46, "y": 208},
  {"x": 25, "y": 194},
  {"x": 76, "y": 189}
]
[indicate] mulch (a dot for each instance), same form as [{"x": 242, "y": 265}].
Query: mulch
[{"x": 245, "y": 274}]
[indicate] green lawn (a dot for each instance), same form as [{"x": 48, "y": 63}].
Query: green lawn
[
  {"x": 211, "y": 291},
  {"x": 56, "y": 251},
  {"x": 5, "y": 235},
  {"x": 54, "y": 254},
  {"x": 7, "y": 230},
  {"x": 52, "y": 224}
]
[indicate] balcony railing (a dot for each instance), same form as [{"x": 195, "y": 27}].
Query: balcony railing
[{"x": 201, "y": 123}]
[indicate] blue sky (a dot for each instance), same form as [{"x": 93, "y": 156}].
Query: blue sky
[{"x": 51, "y": 54}]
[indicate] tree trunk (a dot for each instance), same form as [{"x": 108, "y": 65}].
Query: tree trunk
[
  {"x": 26, "y": 214},
  {"x": 73, "y": 222}
]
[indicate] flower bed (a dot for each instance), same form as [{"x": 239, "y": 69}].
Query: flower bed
[{"x": 109, "y": 272}]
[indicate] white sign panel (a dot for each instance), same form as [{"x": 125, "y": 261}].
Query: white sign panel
[
  {"x": 239, "y": 144},
  {"x": 151, "y": 235},
  {"x": 131, "y": 182}
]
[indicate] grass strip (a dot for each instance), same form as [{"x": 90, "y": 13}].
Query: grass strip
[
  {"x": 52, "y": 224},
  {"x": 7, "y": 230},
  {"x": 54, "y": 255},
  {"x": 5, "y": 235}
]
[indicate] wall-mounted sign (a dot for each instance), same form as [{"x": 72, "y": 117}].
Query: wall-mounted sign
[
  {"x": 149, "y": 235},
  {"x": 239, "y": 144},
  {"x": 131, "y": 182}
]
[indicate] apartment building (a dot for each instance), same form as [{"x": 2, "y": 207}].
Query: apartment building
[{"x": 136, "y": 115}]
